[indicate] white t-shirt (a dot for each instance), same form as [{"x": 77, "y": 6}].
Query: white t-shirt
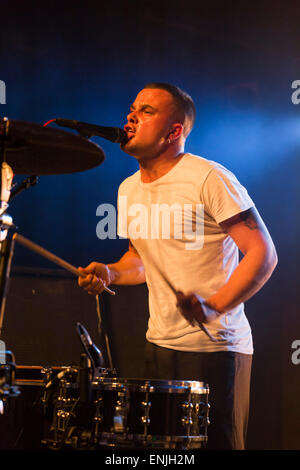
[{"x": 173, "y": 223}]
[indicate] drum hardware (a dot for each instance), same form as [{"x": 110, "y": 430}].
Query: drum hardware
[
  {"x": 187, "y": 420},
  {"x": 6, "y": 254},
  {"x": 65, "y": 410},
  {"x": 102, "y": 372},
  {"x": 75, "y": 412},
  {"x": 46, "y": 373},
  {"x": 98, "y": 418},
  {"x": 50, "y": 382},
  {"x": 64, "y": 389},
  {"x": 85, "y": 377},
  {"x": 121, "y": 411},
  {"x": 8, "y": 389},
  {"x": 146, "y": 405},
  {"x": 6, "y": 222},
  {"x": 202, "y": 411},
  {"x": 145, "y": 418}
]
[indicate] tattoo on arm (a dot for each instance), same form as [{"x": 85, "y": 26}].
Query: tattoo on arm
[{"x": 249, "y": 220}]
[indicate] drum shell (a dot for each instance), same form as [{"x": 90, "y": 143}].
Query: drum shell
[{"x": 151, "y": 409}]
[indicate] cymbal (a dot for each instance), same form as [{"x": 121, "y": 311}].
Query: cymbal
[{"x": 33, "y": 149}]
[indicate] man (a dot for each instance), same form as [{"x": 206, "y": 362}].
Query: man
[{"x": 194, "y": 276}]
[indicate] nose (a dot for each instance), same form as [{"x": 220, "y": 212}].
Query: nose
[{"x": 131, "y": 117}]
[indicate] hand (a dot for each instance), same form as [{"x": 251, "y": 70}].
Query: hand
[
  {"x": 194, "y": 309},
  {"x": 97, "y": 277}
]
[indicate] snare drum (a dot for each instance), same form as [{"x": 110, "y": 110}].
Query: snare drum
[{"x": 150, "y": 413}]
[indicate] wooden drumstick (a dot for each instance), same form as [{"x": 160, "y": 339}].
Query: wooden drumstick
[
  {"x": 55, "y": 259},
  {"x": 203, "y": 328}
]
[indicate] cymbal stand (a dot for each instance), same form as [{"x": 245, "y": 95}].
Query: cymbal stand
[
  {"x": 6, "y": 223},
  {"x": 6, "y": 254},
  {"x": 7, "y": 365}
]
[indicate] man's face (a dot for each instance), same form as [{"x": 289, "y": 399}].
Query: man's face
[{"x": 149, "y": 123}]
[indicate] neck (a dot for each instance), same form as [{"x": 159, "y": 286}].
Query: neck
[{"x": 154, "y": 168}]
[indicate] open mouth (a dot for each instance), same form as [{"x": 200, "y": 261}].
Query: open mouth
[
  {"x": 130, "y": 132},
  {"x": 130, "y": 135}
]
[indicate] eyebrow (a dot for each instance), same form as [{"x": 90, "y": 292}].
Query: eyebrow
[{"x": 143, "y": 107}]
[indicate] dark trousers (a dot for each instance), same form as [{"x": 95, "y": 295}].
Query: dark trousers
[{"x": 228, "y": 376}]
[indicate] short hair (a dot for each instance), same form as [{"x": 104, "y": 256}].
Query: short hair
[{"x": 183, "y": 103}]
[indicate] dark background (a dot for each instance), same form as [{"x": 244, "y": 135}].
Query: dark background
[{"x": 87, "y": 61}]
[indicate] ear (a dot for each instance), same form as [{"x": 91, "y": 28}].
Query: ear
[{"x": 176, "y": 131}]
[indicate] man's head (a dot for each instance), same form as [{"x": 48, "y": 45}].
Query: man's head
[
  {"x": 160, "y": 119},
  {"x": 183, "y": 103}
]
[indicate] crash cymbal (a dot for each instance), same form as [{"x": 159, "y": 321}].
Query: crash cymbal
[{"x": 33, "y": 149}]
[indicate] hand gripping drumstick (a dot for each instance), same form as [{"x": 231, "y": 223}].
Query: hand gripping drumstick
[
  {"x": 203, "y": 328},
  {"x": 55, "y": 259}
]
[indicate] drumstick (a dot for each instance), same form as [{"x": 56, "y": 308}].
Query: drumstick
[
  {"x": 200, "y": 324},
  {"x": 55, "y": 259}
]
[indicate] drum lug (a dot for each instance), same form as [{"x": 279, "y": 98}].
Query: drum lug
[
  {"x": 146, "y": 404},
  {"x": 185, "y": 421},
  {"x": 202, "y": 410},
  {"x": 145, "y": 419},
  {"x": 98, "y": 418},
  {"x": 120, "y": 418},
  {"x": 121, "y": 411},
  {"x": 187, "y": 405}
]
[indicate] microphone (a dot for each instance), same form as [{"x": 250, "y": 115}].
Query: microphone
[
  {"x": 91, "y": 349},
  {"x": 114, "y": 134}
]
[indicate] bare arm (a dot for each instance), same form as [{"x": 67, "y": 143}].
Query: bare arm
[
  {"x": 253, "y": 239},
  {"x": 128, "y": 270}
]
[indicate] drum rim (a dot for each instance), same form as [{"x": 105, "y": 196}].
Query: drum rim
[
  {"x": 153, "y": 385},
  {"x": 155, "y": 438}
]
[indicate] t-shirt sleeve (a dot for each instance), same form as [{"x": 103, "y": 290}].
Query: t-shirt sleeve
[{"x": 223, "y": 195}]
